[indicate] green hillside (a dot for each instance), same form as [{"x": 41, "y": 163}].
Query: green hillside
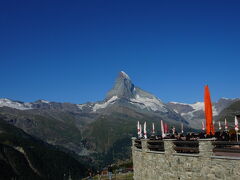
[
  {"x": 54, "y": 127},
  {"x": 24, "y": 157}
]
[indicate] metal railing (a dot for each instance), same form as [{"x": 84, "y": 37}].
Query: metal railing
[
  {"x": 155, "y": 145},
  {"x": 218, "y": 148},
  {"x": 226, "y": 146},
  {"x": 190, "y": 147},
  {"x": 138, "y": 143}
]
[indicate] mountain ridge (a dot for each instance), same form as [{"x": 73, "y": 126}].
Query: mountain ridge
[
  {"x": 94, "y": 129},
  {"x": 194, "y": 113}
]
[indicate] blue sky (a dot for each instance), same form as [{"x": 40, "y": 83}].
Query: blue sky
[{"x": 72, "y": 51}]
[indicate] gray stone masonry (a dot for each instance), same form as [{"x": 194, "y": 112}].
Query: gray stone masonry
[
  {"x": 144, "y": 145},
  {"x": 206, "y": 147},
  {"x": 169, "y": 165},
  {"x": 168, "y": 147}
]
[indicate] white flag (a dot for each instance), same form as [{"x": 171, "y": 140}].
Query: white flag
[
  {"x": 153, "y": 128},
  {"x": 162, "y": 129},
  {"x": 182, "y": 127},
  {"x": 203, "y": 127},
  {"x": 138, "y": 129},
  {"x": 236, "y": 123},
  {"x": 173, "y": 130},
  {"x": 219, "y": 125},
  {"x": 226, "y": 125},
  {"x": 145, "y": 130}
]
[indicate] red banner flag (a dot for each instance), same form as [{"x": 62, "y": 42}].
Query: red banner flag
[
  {"x": 165, "y": 128},
  {"x": 208, "y": 112}
]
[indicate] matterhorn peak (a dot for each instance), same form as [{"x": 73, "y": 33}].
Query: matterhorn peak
[
  {"x": 124, "y": 75},
  {"x": 124, "y": 91},
  {"x": 123, "y": 87}
]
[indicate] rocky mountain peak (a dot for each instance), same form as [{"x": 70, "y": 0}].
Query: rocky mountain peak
[
  {"x": 123, "y": 87},
  {"x": 4, "y": 102},
  {"x": 124, "y": 75}
]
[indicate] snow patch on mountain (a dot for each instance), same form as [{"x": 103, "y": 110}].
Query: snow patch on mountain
[
  {"x": 214, "y": 111},
  {"x": 198, "y": 106},
  {"x": 105, "y": 104},
  {"x": 44, "y": 101},
  {"x": 228, "y": 98},
  {"x": 153, "y": 104},
  {"x": 175, "y": 111},
  {"x": 179, "y": 103},
  {"x": 125, "y": 75},
  {"x": 14, "y": 104},
  {"x": 80, "y": 106}
]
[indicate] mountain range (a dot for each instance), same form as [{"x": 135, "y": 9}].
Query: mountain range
[
  {"x": 194, "y": 113},
  {"x": 102, "y": 130}
]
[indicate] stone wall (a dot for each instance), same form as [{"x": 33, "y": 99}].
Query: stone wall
[{"x": 169, "y": 165}]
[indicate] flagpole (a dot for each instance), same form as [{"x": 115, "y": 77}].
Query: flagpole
[
  {"x": 203, "y": 127},
  {"x": 236, "y": 127},
  {"x": 140, "y": 133},
  {"x": 145, "y": 130},
  {"x": 226, "y": 126},
  {"x": 153, "y": 129},
  {"x": 182, "y": 128},
  {"x": 237, "y": 135},
  {"x": 162, "y": 129},
  {"x": 219, "y": 125},
  {"x": 138, "y": 129}
]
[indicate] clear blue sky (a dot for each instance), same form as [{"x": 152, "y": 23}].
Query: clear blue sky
[{"x": 72, "y": 51}]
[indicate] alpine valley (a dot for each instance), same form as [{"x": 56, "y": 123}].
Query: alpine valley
[{"x": 102, "y": 130}]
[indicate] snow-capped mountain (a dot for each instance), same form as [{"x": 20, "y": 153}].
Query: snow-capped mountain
[
  {"x": 4, "y": 102},
  {"x": 85, "y": 128},
  {"x": 194, "y": 113},
  {"x": 96, "y": 126},
  {"x": 124, "y": 91},
  {"x": 125, "y": 94},
  {"x": 39, "y": 104}
]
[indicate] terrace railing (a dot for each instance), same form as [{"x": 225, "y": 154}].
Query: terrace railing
[
  {"x": 201, "y": 147},
  {"x": 155, "y": 145},
  {"x": 226, "y": 146},
  {"x": 138, "y": 143},
  {"x": 190, "y": 147}
]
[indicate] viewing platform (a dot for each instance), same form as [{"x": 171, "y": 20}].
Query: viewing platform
[{"x": 202, "y": 159}]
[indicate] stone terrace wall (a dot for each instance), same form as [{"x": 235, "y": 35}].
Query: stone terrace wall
[{"x": 168, "y": 165}]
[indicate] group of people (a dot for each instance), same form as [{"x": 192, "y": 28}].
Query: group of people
[{"x": 219, "y": 135}]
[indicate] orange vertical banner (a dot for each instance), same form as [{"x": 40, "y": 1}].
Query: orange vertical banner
[{"x": 208, "y": 112}]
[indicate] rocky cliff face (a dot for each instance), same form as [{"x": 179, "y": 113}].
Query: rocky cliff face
[{"x": 123, "y": 87}]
